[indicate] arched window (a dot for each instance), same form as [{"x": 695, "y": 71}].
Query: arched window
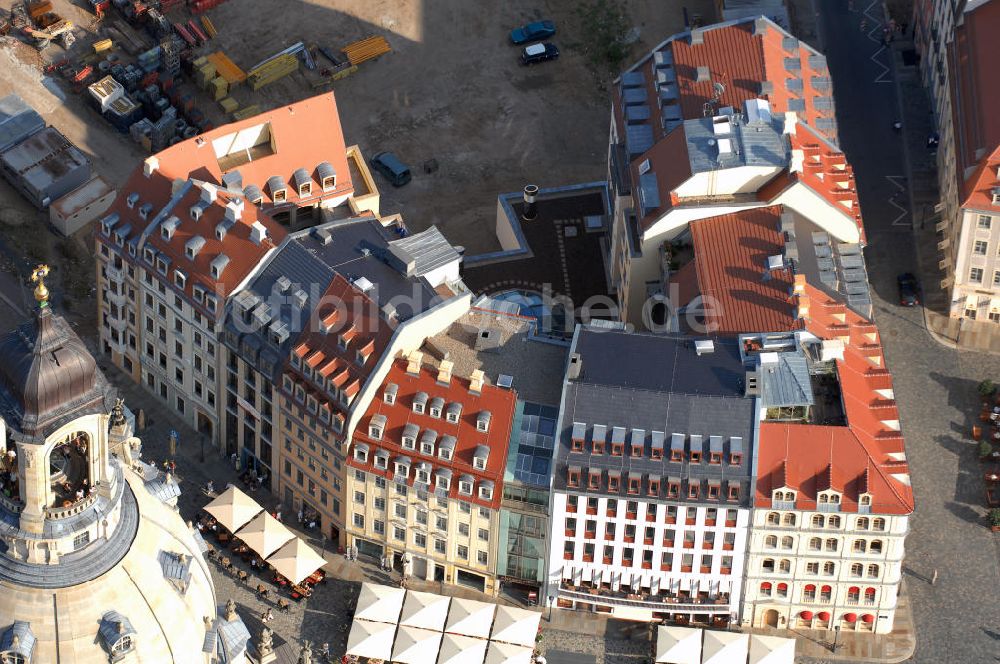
[
  {"x": 823, "y": 499},
  {"x": 829, "y": 568},
  {"x": 831, "y": 543},
  {"x": 782, "y": 590},
  {"x": 859, "y": 546},
  {"x": 862, "y": 523},
  {"x": 788, "y": 520},
  {"x": 809, "y": 593},
  {"x": 785, "y": 566},
  {"x": 873, "y": 571},
  {"x": 815, "y": 544},
  {"x": 765, "y": 589},
  {"x": 833, "y": 522},
  {"x": 771, "y": 541},
  {"x": 787, "y": 542},
  {"x": 853, "y": 595},
  {"x": 817, "y": 521},
  {"x": 825, "y": 594},
  {"x": 857, "y": 569},
  {"x": 773, "y": 519},
  {"x": 869, "y": 596},
  {"x": 767, "y": 565},
  {"x": 876, "y": 546},
  {"x": 878, "y": 524},
  {"x": 865, "y": 499}
]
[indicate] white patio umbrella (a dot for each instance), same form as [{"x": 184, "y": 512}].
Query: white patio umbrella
[
  {"x": 370, "y": 639},
  {"x": 424, "y": 610},
  {"x": 771, "y": 650},
  {"x": 233, "y": 509},
  {"x": 508, "y": 653},
  {"x": 296, "y": 560},
  {"x": 725, "y": 647},
  {"x": 518, "y": 626},
  {"x": 264, "y": 534},
  {"x": 678, "y": 645},
  {"x": 416, "y": 646},
  {"x": 379, "y": 603},
  {"x": 457, "y": 649},
  {"x": 470, "y": 618}
]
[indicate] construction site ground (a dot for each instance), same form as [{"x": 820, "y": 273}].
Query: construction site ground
[{"x": 451, "y": 90}]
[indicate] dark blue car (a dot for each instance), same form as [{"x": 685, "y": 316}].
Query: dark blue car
[{"x": 533, "y": 32}]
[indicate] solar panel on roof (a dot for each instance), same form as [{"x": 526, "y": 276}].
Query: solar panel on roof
[
  {"x": 638, "y": 138},
  {"x": 632, "y": 96},
  {"x": 637, "y": 113},
  {"x": 633, "y": 79}
]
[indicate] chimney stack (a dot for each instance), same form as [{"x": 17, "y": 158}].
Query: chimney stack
[
  {"x": 413, "y": 361},
  {"x": 476, "y": 381},
  {"x": 444, "y": 372},
  {"x": 234, "y": 209},
  {"x": 575, "y": 366},
  {"x": 149, "y": 166},
  {"x": 257, "y": 232},
  {"x": 208, "y": 192},
  {"x": 530, "y": 192}
]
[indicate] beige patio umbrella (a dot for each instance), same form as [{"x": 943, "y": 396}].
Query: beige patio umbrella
[
  {"x": 264, "y": 534},
  {"x": 379, "y": 603},
  {"x": 233, "y": 509},
  {"x": 424, "y": 610},
  {"x": 678, "y": 645},
  {"x": 507, "y": 653},
  {"x": 370, "y": 639},
  {"x": 416, "y": 646},
  {"x": 725, "y": 647},
  {"x": 457, "y": 649},
  {"x": 513, "y": 625},
  {"x": 771, "y": 650},
  {"x": 296, "y": 560}
]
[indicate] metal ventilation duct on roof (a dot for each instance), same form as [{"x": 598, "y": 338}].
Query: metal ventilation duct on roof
[{"x": 233, "y": 181}]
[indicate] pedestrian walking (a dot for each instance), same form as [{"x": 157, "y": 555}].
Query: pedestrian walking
[
  {"x": 277, "y": 516},
  {"x": 299, "y": 515}
]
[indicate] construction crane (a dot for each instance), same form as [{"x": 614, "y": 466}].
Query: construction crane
[{"x": 62, "y": 30}]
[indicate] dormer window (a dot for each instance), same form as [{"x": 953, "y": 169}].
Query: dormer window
[
  {"x": 480, "y": 457},
  {"x": 594, "y": 479},
  {"x": 161, "y": 265},
  {"x": 695, "y": 456},
  {"x": 694, "y": 488},
  {"x": 453, "y": 412},
  {"x": 423, "y": 475},
  {"x": 148, "y": 255},
  {"x": 483, "y": 421},
  {"x": 713, "y": 489},
  {"x": 614, "y": 481},
  {"x": 446, "y": 448},
  {"x": 276, "y": 185},
  {"x": 653, "y": 485},
  {"x": 734, "y": 491},
  {"x": 673, "y": 487},
  {"x": 179, "y": 279},
  {"x": 715, "y": 450},
  {"x": 735, "y": 459},
  {"x": 419, "y": 402},
  {"x": 361, "y": 452},
  {"x": 486, "y": 492},
  {"x": 634, "y": 481},
  {"x": 327, "y": 176},
  {"x": 437, "y": 403},
  {"x": 597, "y": 439},
  {"x": 443, "y": 479},
  {"x": 578, "y": 436},
  {"x": 427, "y": 441},
  {"x": 377, "y": 426},
  {"x": 402, "y": 469},
  {"x": 389, "y": 396},
  {"x": 637, "y": 442},
  {"x": 677, "y": 448},
  {"x": 381, "y": 460},
  {"x": 409, "y": 440},
  {"x": 465, "y": 485},
  {"x": 573, "y": 477}
]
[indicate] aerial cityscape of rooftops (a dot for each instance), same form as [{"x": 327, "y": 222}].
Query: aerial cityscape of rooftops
[{"x": 438, "y": 332}]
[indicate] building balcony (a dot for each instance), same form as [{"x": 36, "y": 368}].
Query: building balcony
[
  {"x": 660, "y": 602},
  {"x": 117, "y": 324},
  {"x": 117, "y": 298}
]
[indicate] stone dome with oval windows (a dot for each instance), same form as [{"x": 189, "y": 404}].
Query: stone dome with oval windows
[{"x": 96, "y": 563}]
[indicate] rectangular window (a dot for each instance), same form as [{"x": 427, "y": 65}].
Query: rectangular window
[
  {"x": 463, "y": 552},
  {"x": 440, "y": 546},
  {"x": 420, "y": 540},
  {"x": 482, "y": 558},
  {"x": 984, "y": 221},
  {"x": 980, "y": 247},
  {"x": 484, "y": 535},
  {"x": 379, "y": 527},
  {"x": 359, "y": 520},
  {"x": 399, "y": 533},
  {"x": 976, "y": 275}
]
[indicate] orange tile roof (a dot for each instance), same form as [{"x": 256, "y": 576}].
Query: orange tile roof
[
  {"x": 730, "y": 254},
  {"x": 668, "y": 159},
  {"x": 741, "y": 60},
  {"x": 869, "y": 446},
  {"x": 371, "y": 334},
  {"x": 498, "y": 401},
  {"x": 979, "y": 187},
  {"x": 304, "y": 135}
]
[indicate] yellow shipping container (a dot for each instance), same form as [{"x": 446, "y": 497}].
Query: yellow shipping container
[
  {"x": 219, "y": 88},
  {"x": 102, "y": 45},
  {"x": 229, "y": 105}
]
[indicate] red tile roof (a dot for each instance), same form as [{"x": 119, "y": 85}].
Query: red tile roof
[
  {"x": 870, "y": 446},
  {"x": 303, "y": 135},
  {"x": 979, "y": 187},
  {"x": 499, "y": 402},
  {"x": 354, "y": 317},
  {"x": 741, "y": 60},
  {"x": 730, "y": 254}
]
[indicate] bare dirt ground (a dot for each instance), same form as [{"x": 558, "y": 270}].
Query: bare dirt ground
[{"x": 451, "y": 90}]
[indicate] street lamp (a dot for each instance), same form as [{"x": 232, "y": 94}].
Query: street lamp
[
  {"x": 836, "y": 638},
  {"x": 552, "y": 601}
]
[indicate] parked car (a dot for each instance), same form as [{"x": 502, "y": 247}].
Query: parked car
[
  {"x": 532, "y": 32},
  {"x": 539, "y": 53},
  {"x": 395, "y": 171},
  {"x": 909, "y": 290}
]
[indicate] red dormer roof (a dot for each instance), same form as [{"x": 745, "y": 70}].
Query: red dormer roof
[
  {"x": 825, "y": 170},
  {"x": 978, "y": 193},
  {"x": 730, "y": 254},
  {"x": 321, "y": 349},
  {"x": 869, "y": 451},
  {"x": 499, "y": 402}
]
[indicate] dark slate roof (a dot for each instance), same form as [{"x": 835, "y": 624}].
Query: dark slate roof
[
  {"x": 785, "y": 382},
  {"x": 308, "y": 260},
  {"x": 21, "y": 632},
  {"x": 48, "y": 375},
  {"x": 659, "y": 363},
  {"x": 642, "y": 387},
  {"x": 424, "y": 251},
  {"x": 233, "y": 638},
  {"x": 174, "y": 569},
  {"x": 18, "y": 121},
  {"x": 162, "y": 485}
]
